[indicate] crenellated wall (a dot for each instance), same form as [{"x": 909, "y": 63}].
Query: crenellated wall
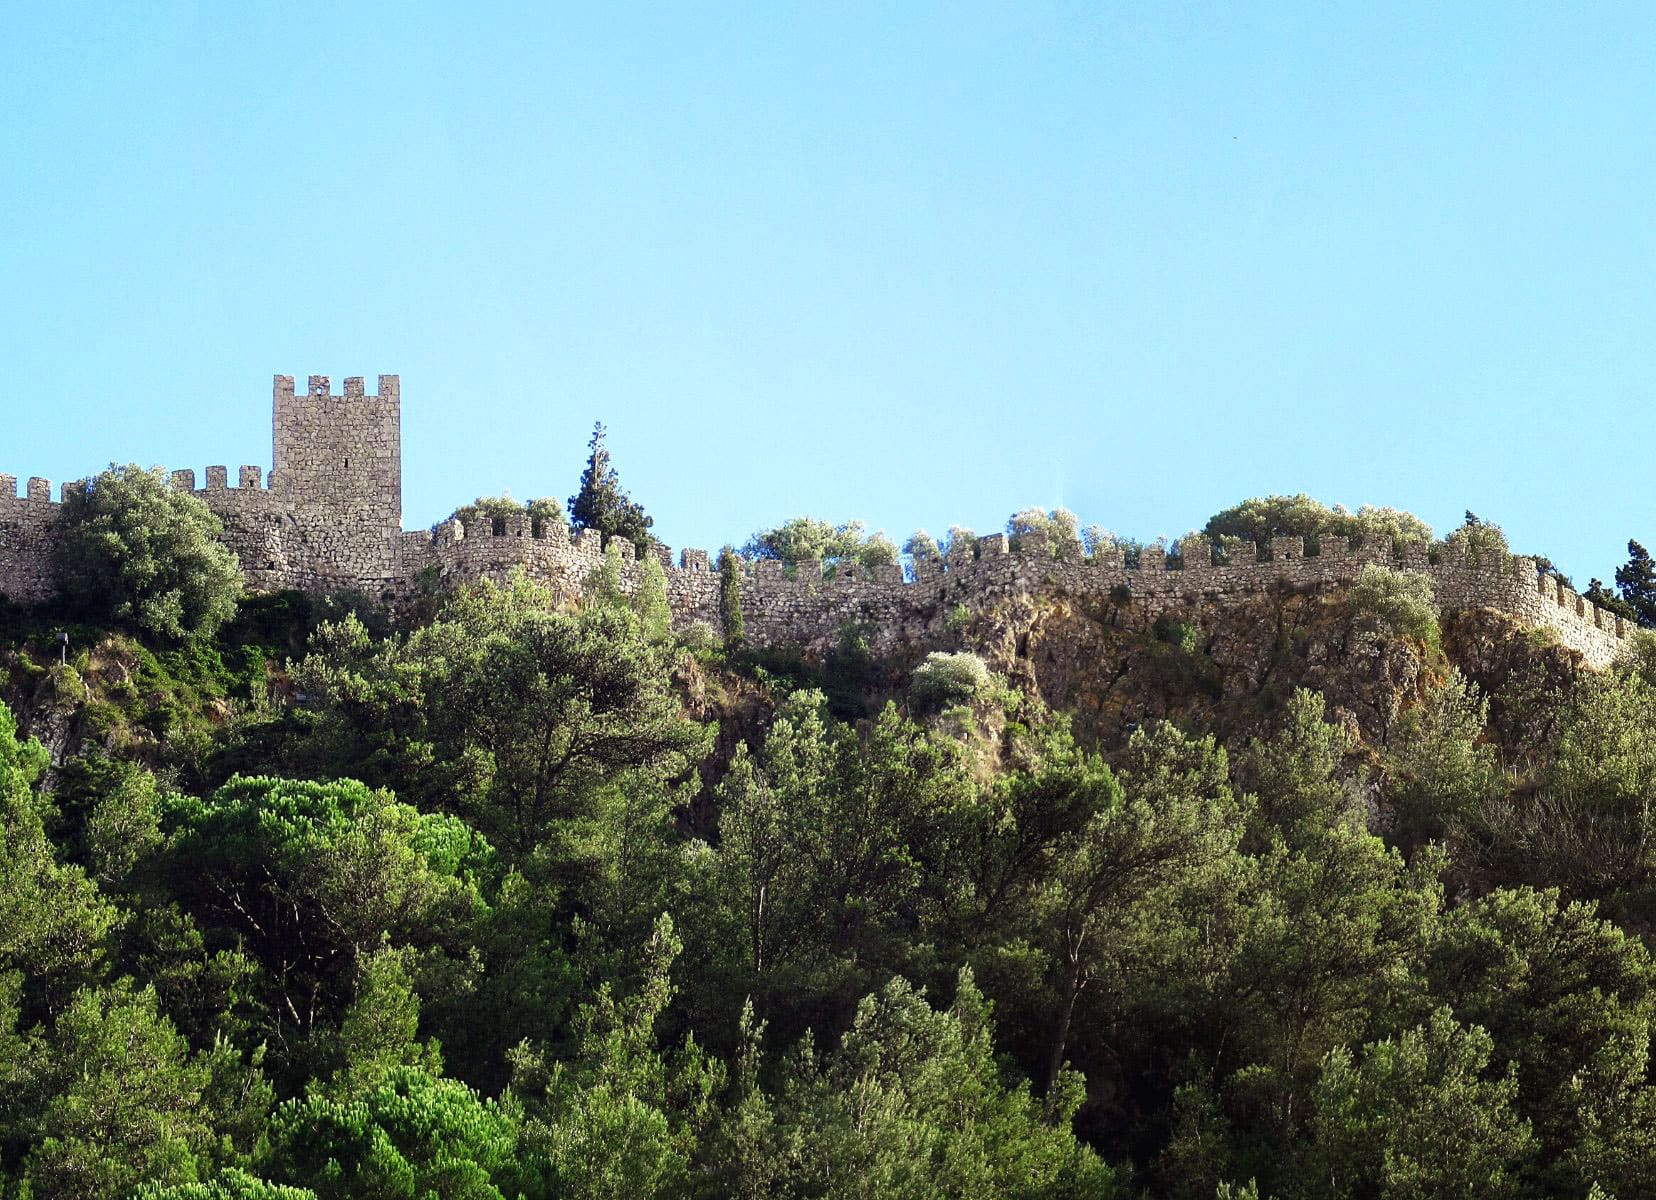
[
  {"x": 803, "y": 606},
  {"x": 330, "y": 516},
  {"x": 28, "y": 533}
]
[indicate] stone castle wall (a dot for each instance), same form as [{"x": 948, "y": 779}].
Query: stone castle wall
[
  {"x": 28, "y": 531},
  {"x": 780, "y": 607},
  {"x": 330, "y": 516}
]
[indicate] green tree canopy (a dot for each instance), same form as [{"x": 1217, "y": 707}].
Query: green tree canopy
[
  {"x": 1260, "y": 519},
  {"x": 621, "y": 1118},
  {"x": 543, "y": 513},
  {"x": 312, "y": 878},
  {"x": 1438, "y": 770},
  {"x": 820, "y": 872},
  {"x": 413, "y": 1134},
  {"x": 910, "y": 1103},
  {"x": 515, "y": 714},
  {"x": 54, "y": 923},
  {"x": 730, "y": 596},
  {"x": 806, "y": 538},
  {"x": 1125, "y": 864},
  {"x": 119, "y": 1101},
  {"x": 1478, "y": 542},
  {"x": 134, "y": 549},
  {"x": 945, "y": 679},
  {"x": 1054, "y": 532},
  {"x": 921, "y": 545},
  {"x": 1568, "y": 999},
  {"x": 650, "y": 602},
  {"x": 1401, "y": 601},
  {"x": 1419, "y": 1117},
  {"x": 233, "y": 1184}
]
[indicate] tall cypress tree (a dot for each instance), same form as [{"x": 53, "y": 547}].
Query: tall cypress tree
[
  {"x": 730, "y": 595},
  {"x": 601, "y": 503}
]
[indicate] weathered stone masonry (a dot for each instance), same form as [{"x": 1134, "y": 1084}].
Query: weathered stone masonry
[{"x": 330, "y": 516}]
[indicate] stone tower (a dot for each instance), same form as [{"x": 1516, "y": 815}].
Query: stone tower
[{"x": 336, "y": 478}]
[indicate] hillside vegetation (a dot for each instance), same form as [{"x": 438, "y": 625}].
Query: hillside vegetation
[{"x": 1321, "y": 894}]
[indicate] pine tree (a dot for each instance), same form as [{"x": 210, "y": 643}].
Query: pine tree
[
  {"x": 601, "y": 503},
  {"x": 1611, "y": 601},
  {"x": 1637, "y": 583}
]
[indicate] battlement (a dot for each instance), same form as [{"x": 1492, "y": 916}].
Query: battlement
[
  {"x": 248, "y": 479},
  {"x": 996, "y": 564},
  {"x": 39, "y": 491},
  {"x": 317, "y": 387},
  {"x": 36, "y": 490},
  {"x": 1196, "y": 565}
]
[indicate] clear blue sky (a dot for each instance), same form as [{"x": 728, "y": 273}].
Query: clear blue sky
[{"x": 919, "y": 265}]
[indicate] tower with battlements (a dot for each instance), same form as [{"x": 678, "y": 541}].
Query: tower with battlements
[{"x": 336, "y": 480}]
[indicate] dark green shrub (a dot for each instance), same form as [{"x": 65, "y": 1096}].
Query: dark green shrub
[{"x": 135, "y": 550}]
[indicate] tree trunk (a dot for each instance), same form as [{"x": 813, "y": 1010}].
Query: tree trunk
[{"x": 1060, "y": 1041}]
